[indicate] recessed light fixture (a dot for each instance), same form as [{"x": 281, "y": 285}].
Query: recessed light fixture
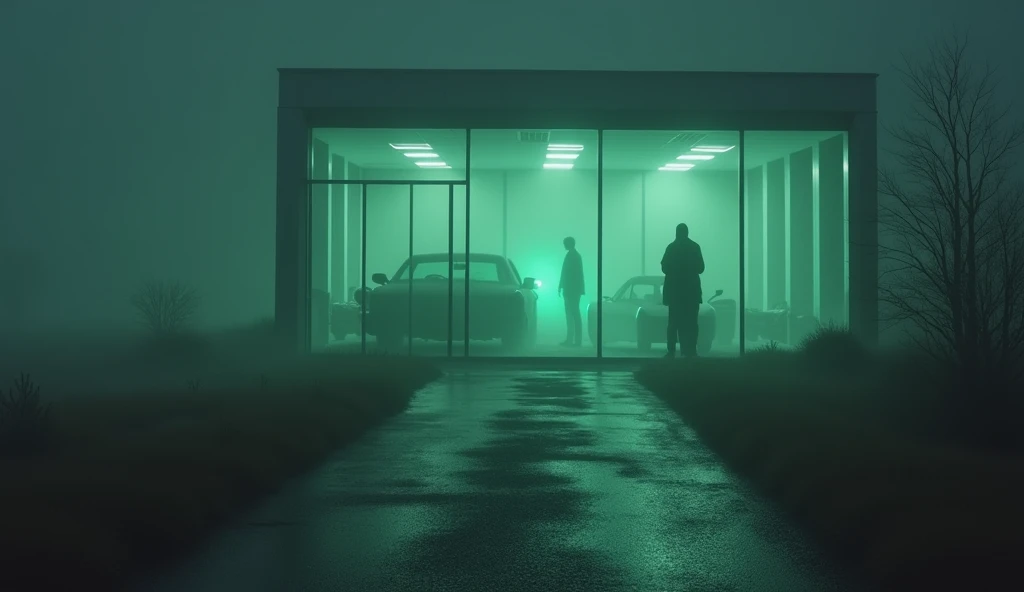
[
  {"x": 433, "y": 164},
  {"x": 717, "y": 149},
  {"x": 564, "y": 155},
  {"x": 411, "y": 146},
  {"x": 565, "y": 147},
  {"x": 693, "y": 157},
  {"x": 673, "y": 166},
  {"x": 421, "y": 155},
  {"x": 558, "y": 165}
]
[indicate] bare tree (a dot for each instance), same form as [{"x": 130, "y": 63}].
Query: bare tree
[
  {"x": 953, "y": 220},
  {"x": 166, "y": 307}
]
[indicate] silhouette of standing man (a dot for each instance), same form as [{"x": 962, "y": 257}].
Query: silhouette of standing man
[
  {"x": 570, "y": 288},
  {"x": 682, "y": 265}
]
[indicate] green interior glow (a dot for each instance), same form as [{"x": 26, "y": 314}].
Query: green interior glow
[{"x": 532, "y": 188}]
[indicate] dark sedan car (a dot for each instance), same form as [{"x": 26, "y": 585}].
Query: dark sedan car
[
  {"x": 636, "y": 314},
  {"x": 503, "y": 305}
]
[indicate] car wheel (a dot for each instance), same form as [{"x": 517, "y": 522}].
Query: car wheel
[
  {"x": 517, "y": 336},
  {"x": 705, "y": 337},
  {"x": 531, "y": 335},
  {"x": 643, "y": 336}
]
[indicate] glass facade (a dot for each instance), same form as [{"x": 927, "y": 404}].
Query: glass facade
[
  {"x": 653, "y": 181},
  {"x": 394, "y": 266},
  {"x": 531, "y": 190}
]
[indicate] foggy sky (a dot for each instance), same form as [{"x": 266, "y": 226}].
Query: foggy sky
[{"x": 137, "y": 139}]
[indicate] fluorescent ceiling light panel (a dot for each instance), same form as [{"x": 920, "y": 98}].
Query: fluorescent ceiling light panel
[
  {"x": 421, "y": 155},
  {"x": 564, "y": 155},
  {"x": 672, "y": 166},
  {"x": 694, "y": 157},
  {"x": 433, "y": 164},
  {"x": 558, "y": 165},
  {"x": 565, "y": 147},
  {"x": 717, "y": 149},
  {"x": 411, "y": 146}
]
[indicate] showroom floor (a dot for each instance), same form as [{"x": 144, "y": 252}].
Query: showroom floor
[{"x": 541, "y": 350}]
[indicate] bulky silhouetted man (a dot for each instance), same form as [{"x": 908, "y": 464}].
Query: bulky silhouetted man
[
  {"x": 570, "y": 288},
  {"x": 682, "y": 265}
]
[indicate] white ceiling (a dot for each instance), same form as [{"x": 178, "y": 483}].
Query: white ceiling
[{"x": 505, "y": 150}]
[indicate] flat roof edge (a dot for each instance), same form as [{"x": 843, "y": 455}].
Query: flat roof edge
[{"x": 562, "y": 71}]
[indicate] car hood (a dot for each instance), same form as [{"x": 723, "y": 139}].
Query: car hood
[
  {"x": 441, "y": 287},
  {"x": 661, "y": 311},
  {"x": 655, "y": 310}
]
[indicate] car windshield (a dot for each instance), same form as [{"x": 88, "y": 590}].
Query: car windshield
[
  {"x": 479, "y": 271},
  {"x": 643, "y": 291},
  {"x": 518, "y": 278}
]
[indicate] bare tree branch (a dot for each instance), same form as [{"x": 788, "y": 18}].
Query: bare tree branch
[{"x": 952, "y": 216}]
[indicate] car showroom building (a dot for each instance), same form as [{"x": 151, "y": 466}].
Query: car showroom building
[{"x": 481, "y": 174}]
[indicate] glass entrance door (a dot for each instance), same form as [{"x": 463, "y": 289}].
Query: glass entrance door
[{"x": 415, "y": 270}]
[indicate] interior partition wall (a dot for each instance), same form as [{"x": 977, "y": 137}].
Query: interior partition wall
[
  {"x": 797, "y": 239},
  {"x": 403, "y": 206}
]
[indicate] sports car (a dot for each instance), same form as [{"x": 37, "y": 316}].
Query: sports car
[
  {"x": 503, "y": 305},
  {"x": 635, "y": 313}
]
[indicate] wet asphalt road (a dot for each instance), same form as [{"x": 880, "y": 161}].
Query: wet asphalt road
[{"x": 506, "y": 480}]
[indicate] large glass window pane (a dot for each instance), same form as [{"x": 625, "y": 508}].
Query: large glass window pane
[
  {"x": 319, "y": 249},
  {"x": 529, "y": 191},
  {"x": 335, "y": 247},
  {"x": 652, "y": 182},
  {"x": 346, "y": 231},
  {"x": 797, "y": 238},
  {"x": 396, "y": 154}
]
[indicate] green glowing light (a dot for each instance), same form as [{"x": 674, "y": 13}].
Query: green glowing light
[
  {"x": 411, "y": 147},
  {"x": 558, "y": 165},
  {"x": 672, "y": 166},
  {"x": 695, "y": 157},
  {"x": 433, "y": 164},
  {"x": 564, "y": 155},
  {"x": 717, "y": 149},
  {"x": 421, "y": 155},
  {"x": 565, "y": 147}
]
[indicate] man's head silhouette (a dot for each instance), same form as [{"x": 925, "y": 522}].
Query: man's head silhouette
[
  {"x": 569, "y": 242},
  {"x": 682, "y": 231}
]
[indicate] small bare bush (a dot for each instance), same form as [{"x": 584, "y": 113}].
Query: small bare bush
[
  {"x": 166, "y": 308},
  {"x": 834, "y": 347},
  {"x": 24, "y": 419}
]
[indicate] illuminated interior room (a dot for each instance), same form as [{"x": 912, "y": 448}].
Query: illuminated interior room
[{"x": 396, "y": 212}]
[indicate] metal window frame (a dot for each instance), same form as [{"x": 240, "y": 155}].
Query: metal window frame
[{"x": 861, "y": 145}]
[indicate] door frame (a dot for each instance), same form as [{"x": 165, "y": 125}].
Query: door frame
[{"x": 364, "y": 186}]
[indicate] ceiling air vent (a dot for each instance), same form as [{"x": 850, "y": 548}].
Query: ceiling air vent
[
  {"x": 534, "y": 137},
  {"x": 686, "y": 140}
]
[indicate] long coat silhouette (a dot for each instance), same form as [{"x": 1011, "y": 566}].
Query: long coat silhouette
[
  {"x": 571, "y": 281},
  {"x": 682, "y": 265}
]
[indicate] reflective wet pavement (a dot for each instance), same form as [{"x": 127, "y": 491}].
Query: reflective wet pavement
[{"x": 505, "y": 480}]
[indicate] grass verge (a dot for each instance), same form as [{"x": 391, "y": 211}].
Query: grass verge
[
  {"x": 131, "y": 480},
  {"x": 870, "y": 456}
]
